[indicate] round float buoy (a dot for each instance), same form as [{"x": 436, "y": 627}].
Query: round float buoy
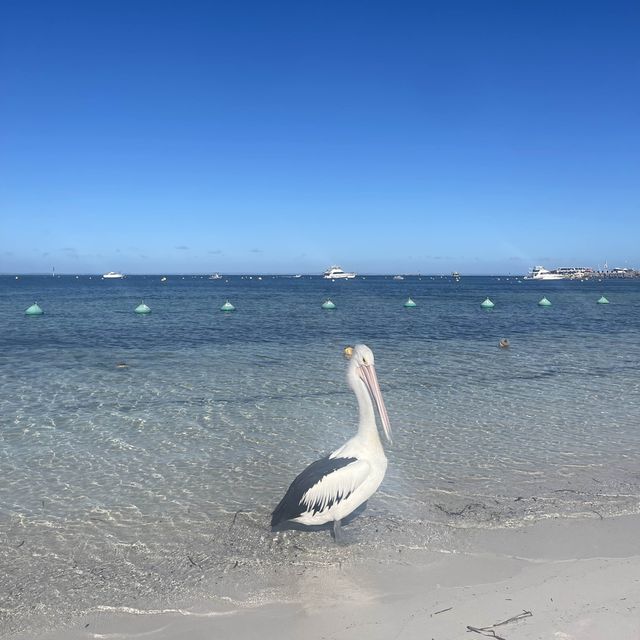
[
  {"x": 603, "y": 300},
  {"x": 348, "y": 352},
  {"x": 327, "y": 304},
  {"x": 410, "y": 303},
  {"x": 34, "y": 310},
  {"x": 544, "y": 303},
  {"x": 142, "y": 308},
  {"x": 487, "y": 304},
  {"x": 504, "y": 343},
  {"x": 227, "y": 306}
]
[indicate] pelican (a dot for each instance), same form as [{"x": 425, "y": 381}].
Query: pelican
[{"x": 333, "y": 487}]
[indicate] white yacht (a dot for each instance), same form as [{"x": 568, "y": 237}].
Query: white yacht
[
  {"x": 215, "y": 276},
  {"x": 336, "y": 273},
  {"x": 113, "y": 275},
  {"x": 398, "y": 277},
  {"x": 540, "y": 273}
]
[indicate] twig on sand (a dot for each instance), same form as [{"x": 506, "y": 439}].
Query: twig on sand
[
  {"x": 194, "y": 563},
  {"x": 485, "y": 632},
  {"x": 234, "y": 518},
  {"x": 490, "y": 633},
  {"x": 516, "y": 618},
  {"x": 441, "y": 611}
]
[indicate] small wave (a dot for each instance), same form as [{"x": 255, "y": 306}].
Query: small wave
[{"x": 155, "y": 612}]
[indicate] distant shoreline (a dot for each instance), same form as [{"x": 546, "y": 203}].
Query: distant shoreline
[{"x": 13, "y": 274}]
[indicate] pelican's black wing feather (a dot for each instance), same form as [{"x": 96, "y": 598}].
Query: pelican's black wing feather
[{"x": 290, "y": 506}]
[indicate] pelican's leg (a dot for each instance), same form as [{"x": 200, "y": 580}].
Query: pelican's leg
[{"x": 337, "y": 532}]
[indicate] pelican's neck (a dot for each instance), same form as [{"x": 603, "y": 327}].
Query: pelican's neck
[{"x": 367, "y": 429}]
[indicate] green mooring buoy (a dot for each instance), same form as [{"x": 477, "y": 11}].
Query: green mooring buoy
[
  {"x": 142, "y": 308},
  {"x": 409, "y": 304},
  {"x": 34, "y": 310},
  {"x": 327, "y": 304},
  {"x": 227, "y": 306},
  {"x": 487, "y": 304},
  {"x": 603, "y": 300},
  {"x": 544, "y": 303}
]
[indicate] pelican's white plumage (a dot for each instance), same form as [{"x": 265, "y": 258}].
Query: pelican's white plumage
[{"x": 331, "y": 488}]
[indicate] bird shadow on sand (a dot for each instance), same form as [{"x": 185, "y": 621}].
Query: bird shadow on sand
[{"x": 287, "y": 525}]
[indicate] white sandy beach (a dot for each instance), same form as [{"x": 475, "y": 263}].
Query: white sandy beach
[{"x": 562, "y": 579}]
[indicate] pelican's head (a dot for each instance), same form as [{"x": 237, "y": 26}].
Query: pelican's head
[{"x": 362, "y": 368}]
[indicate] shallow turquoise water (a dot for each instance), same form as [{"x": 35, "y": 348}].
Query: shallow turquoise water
[{"x": 118, "y": 484}]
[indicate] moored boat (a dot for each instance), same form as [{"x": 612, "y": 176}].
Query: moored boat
[
  {"x": 540, "y": 273},
  {"x": 336, "y": 273}
]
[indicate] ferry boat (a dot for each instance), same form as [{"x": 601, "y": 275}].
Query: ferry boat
[
  {"x": 336, "y": 273},
  {"x": 113, "y": 275},
  {"x": 575, "y": 273}
]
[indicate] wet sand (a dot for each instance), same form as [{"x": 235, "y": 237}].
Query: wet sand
[{"x": 556, "y": 579}]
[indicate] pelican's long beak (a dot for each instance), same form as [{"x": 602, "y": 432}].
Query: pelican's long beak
[{"x": 368, "y": 376}]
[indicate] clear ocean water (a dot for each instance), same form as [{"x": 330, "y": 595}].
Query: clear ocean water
[{"x": 154, "y": 483}]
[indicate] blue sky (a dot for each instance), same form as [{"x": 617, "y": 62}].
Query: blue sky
[{"x": 274, "y": 137}]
